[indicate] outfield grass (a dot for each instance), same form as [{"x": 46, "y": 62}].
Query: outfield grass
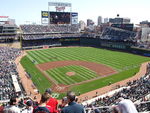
[{"x": 127, "y": 65}]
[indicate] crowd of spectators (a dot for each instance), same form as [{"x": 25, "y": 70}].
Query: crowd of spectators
[
  {"x": 7, "y": 69},
  {"x": 49, "y": 36},
  {"x": 137, "y": 91},
  {"x": 7, "y": 37},
  {"x": 51, "y": 28},
  {"x": 144, "y": 45},
  {"x": 116, "y": 34}
]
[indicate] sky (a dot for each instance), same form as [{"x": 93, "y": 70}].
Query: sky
[{"x": 30, "y": 10}]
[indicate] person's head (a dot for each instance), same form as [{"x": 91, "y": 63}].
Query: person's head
[
  {"x": 49, "y": 90},
  {"x": 71, "y": 96},
  {"x": 13, "y": 101},
  {"x": 97, "y": 110},
  {"x": 45, "y": 97},
  {"x": 29, "y": 103},
  {"x": 64, "y": 99},
  {"x": 115, "y": 109}
]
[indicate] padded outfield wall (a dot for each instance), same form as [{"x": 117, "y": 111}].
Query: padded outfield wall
[{"x": 89, "y": 41}]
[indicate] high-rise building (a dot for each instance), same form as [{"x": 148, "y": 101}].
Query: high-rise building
[
  {"x": 145, "y": 34},
  {"x": 89, "y": 22},
  {"x": 99, "y": 21},
  {"x": 122, "y": 23},
  {"x": 119, "y": 20},
  {"x": 82, "y": 25},
  {"x": 106, "y": 20}
]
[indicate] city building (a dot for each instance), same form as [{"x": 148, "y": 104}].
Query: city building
[
  {"x": 106, "y": 20},
  {"x": 99, "y": 21},
  {"x": 145, "y": 34},
  {"x": 119, "y": 20},
  {"x": 7, "y": 25},
  {"x": 82, "y": 25},
  {"x": 90, "y": 22},
  {"x": 122, "y": 23}
]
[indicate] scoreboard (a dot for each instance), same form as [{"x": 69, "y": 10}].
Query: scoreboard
[{"x": 59, "y": 18}]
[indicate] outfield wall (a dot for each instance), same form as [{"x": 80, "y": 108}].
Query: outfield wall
[{"x": 92, "y": 42}]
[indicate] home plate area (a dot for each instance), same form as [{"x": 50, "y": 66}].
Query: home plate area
[{"x": 60, "y": 88}]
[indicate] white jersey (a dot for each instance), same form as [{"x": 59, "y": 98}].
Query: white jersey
[
  {"x": 11, "y": 109},
  {"x": 127, "y": 106}
]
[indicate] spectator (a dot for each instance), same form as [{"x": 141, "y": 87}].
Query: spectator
[
  {"x": 126, "y": 106},
  {"x": 29, "y": 107},
  {"x": 72, "y": 107},
  {"x": 12, "y": 108},
  {"x": 52, "y": 101},
  {"x": 42, "y": 107},
  {"x": 63, "y": 104}
]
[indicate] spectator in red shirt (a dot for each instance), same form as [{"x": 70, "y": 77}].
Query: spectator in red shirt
[
  {"x": 52, "y": 101},
  {"x": 1, "y": 108},
  {"x": 42, "y": 107}
]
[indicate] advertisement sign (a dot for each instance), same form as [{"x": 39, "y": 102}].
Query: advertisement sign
[
  {"x": 74, "y": 18},
  {"x": 44, "y": 14},
  {"x": 44, "y": 20},
  {"x": 44, "y": 17},
  {"x": 59, "y": 4}
]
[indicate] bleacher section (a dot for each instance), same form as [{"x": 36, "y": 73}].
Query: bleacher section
[
  {"x": 116, "y": 34},
  {"x": 9, "y": 74},
  {"x": 49, "y": 29}
]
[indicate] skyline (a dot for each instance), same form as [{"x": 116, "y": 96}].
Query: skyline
[{"x": 27, "y": 10}]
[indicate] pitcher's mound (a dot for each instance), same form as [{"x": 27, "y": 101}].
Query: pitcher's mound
[{"x": 70, "y": 73}]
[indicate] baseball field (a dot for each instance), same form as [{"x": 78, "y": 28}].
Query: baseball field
[{"x": 81, "y": 69}]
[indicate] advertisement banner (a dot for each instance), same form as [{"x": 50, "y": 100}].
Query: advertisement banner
[
  {"x": 44, "y": 17},
  {"x": 44, "y": 14},
  {"x": 44, "y": 20},
  {"x": 74, "y": 18}
]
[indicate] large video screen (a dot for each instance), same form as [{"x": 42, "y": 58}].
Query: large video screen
[{"x": 59, "y": 18}]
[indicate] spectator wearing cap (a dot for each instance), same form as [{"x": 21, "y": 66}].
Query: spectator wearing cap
[
  {"x": 52, "y": 102},
  {"x": 72, "y": 107},
  {"x": 29, "y": 107},
  {"x": 12, "y": 108},
  {"x": 126, "y": 106},
  {"x": 42, "y": 107}
]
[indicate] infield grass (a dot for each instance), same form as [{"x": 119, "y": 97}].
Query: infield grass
[{"x": 81, "y": 74}]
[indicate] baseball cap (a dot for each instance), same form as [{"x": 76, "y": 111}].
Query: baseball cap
[{"x": 49, "y": 90}]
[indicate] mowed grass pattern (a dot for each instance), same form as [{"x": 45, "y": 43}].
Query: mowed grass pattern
[
  {"x": 127, "y": 65},
  {"x": 114, "y": 59},
  {"x": 81, "y": 74}
]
